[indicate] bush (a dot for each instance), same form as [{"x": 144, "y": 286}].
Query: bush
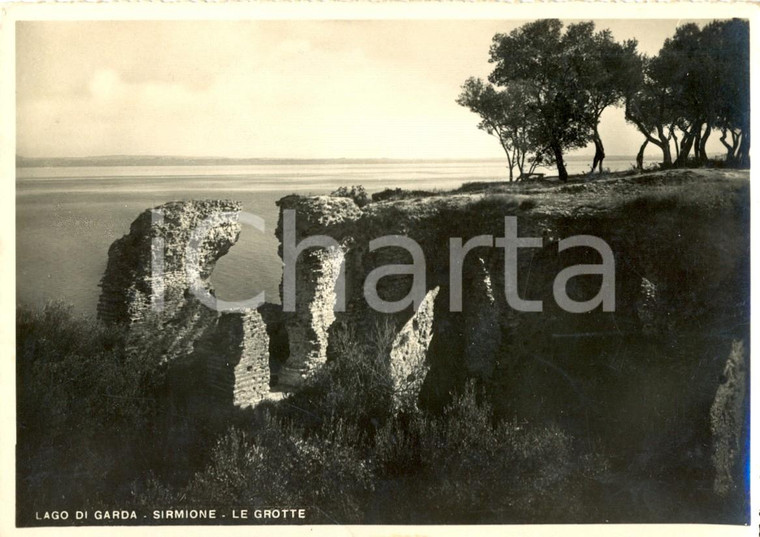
[
  {"x": 481, "y": 186},
  {"x": 354, "y": 385},
  {"x": 336, "y": 447},
  {"x": 280, "y": 465},
  {"x": 464, "y": 468},
  {"x": 459, "y": 467},
  {"x": 89, "y": 409},
  {"x": 496, "y": 203},
  {"x": 392, "y": 194},
  {"x": 355, "y": 192}
]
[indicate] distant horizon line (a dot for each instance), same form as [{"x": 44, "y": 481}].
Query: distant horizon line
[{"x": 22, "y": 161}]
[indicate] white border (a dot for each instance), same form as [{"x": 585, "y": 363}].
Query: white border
[{"x": 12, "y": 12}]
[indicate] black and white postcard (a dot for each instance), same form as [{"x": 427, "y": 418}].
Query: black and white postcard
[{"x": 398, "y": 268}]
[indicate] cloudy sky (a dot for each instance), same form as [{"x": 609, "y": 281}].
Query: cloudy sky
[{"x": 280, "y": 89}]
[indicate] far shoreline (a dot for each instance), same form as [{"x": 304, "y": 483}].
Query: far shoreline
[{"x": 171, "y": 160}]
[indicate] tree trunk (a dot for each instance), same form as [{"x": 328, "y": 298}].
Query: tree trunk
[
  {"x": 743, "y": 153},
  {"x": 723, "y": 138},
  {"x": 599, "y": 152},
  {"x": 664, "y": 144},
  {"x": 516, "y": 155},
  {"x": 561, "y": 170},
  {"x": 509, "y": 159},
  {"x": 516, "y": 162},
  {"x": 640, "y": 156},
  {"x": 703, "y": 143},
  {"x": 735, "y": 142},
  {"x": 667, "y": 160},
  {"x": 523, "y": 156},
  {"x": 730, "y": 149},
  {"x": 697, "y": 144},
  {"x": 686, "y": 142},
  {"x": 675, "y": 140},
  {"x": 532, "y": 165}
]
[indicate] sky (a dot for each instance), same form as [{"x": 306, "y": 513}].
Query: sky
[{"x": 269, "y": 89}]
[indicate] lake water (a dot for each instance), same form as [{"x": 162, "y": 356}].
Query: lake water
[{"x": 67, "y": 217}]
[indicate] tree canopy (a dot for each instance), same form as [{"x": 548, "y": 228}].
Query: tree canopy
[
  {"x": 504, "y": 116},
  {"x": 544, "y": 61},
  {"x": 550, "y": 86},
  {"x": 608, "y": 71},
  {"x": 697, "y": 83}
]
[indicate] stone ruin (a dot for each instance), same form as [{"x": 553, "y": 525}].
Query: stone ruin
[
  {"x": 153, "y": 278},
  {"x": 248, "y": 356},
  {"x": 149, "y": 280}
]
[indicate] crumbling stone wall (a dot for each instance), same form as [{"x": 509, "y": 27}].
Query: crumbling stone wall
[
  {"x": 308, "y": 326},
  {"x": 147, "y": 286},
  {"x": 148, "y": 268},
  {"x": 408, "y": 355},
  {"x": 482, "y": 314},
  {"x": 728, "y": 423},
  {"x": 236, "y": 358},
  {"x": 316, "y": 276},
  {"x": 642, "y": 378}
]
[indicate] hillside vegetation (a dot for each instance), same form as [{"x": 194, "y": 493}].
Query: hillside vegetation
[{"x": 577, "y": 418}]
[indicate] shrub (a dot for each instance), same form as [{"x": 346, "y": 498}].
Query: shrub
[
  {"x": 280, "y": 465},
  {"x": 495, "y": 204},
  {"x": 481, "y": 186},
  {"x": 355, "y": 192},
  {"x": 459, "y": 467},
  {"x": 89, "y": 409},
  {"x": 391, "y": 194},
  {"x": 463, "y": 468},
  {"x": 335, "y": 448},
  {"x": 354, "y": 385}
]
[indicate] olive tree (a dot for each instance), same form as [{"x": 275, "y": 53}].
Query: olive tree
[
  {"x": 697, "y": 83},
  {"x": 503, "y": 115},
  {"x": 543, "y": 61},
  {"x": 607, "y": 70},
  {"x": 650, "y": 109}
]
